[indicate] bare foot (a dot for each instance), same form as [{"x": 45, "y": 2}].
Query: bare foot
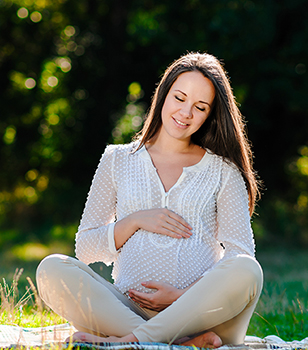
[
  {"x": 95, "y": 339},
  {"x": 205, "y": 340},
  {"x": 91, "y": 338}
]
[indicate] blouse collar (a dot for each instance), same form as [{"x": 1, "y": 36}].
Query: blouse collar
[{"x": 144, "y": 154}]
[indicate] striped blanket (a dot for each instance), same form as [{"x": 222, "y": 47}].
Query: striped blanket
[{"x": 12, "y": 337}]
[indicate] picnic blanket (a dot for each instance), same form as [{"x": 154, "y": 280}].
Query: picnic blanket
[{"x": 12, "y": 337}]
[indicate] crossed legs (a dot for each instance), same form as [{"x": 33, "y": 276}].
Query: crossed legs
[{"x": 221, "y": 302}]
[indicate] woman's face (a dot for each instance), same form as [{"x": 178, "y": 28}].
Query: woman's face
[{"x": 187, "y": 105}]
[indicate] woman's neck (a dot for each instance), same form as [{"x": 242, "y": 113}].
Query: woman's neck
[{"x": 163, "y": 145}]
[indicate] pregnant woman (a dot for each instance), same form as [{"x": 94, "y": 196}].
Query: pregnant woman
[{"x": 171, "y": 210}]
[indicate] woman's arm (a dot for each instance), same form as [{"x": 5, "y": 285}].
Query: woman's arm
[
  {"x": 99, "y": 236},
  {"x": 233, "y": 218},
  {"x": 160, "y": 220},
  {"x": 97, "y": 222}
]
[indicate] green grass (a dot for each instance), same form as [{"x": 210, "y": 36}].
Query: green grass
[
  {"x": 282, "y": 309},
  {"x": 20, "y": 304},
  {"x": 24, "y": 309},
  {"x": 283, "y": 306}
]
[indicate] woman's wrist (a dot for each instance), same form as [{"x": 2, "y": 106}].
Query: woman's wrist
[
  {"x": 133, "y": 221},
  {"x": 124, "y": 229}
]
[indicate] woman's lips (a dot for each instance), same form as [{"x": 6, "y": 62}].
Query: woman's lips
[{"x": 179, "y": 122}]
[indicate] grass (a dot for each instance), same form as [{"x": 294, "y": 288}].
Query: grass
[
  {"x": 20, "y": 304},
  {"x": 283, "y": 306},
  {"x": 282, "y": 309},
  {"x": 24, "y": 309}
]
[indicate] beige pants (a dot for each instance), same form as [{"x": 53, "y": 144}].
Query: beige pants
[{"x": 222, "y": 301}]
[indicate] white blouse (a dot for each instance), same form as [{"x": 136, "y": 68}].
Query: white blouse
[{"x": 210, "y": 195}]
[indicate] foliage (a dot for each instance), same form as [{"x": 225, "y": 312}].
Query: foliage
[{"x": 78, "y": 74}]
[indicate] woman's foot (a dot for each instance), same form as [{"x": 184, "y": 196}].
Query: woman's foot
[
  {"x": 205, "y": 340},
  {"x": 88, "y": 338},
  {"x": 95, "y": 339}
]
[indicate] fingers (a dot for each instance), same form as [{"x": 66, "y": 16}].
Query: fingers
[
  {"x": 139, "y": 295},
  {"x": 143, "y": 299},
  {"x": 146, "y": 302},
  {"x": 173, "y": 225},
  {"x": 164, "y": 295},
  {"x": 171, "y": 230},
  {"x": 152, "y": 284},
  {"x": 163, "y": 221},
  {"x": 177, "y": 220}
]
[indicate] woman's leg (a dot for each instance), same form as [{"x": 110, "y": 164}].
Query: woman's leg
[
  {"x": 222, "y": 301},
  {"x": 74, "y": 291}
]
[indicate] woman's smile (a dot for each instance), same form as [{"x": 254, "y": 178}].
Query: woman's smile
[
  {"x": 187, "y": 104},
  {"x": 178, "y": 122}
]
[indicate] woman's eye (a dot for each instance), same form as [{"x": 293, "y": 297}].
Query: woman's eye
[
  {"x": 200, "y": 108},
  {"x": 179, "y": 99}
]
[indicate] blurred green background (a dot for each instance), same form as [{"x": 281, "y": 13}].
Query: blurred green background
[{"x": 76, "y": 75}]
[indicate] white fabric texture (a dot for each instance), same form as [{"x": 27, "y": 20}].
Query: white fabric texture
[{"x": 210, "y": 195}]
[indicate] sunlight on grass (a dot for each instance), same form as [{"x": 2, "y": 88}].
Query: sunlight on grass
[
  {"x": 30, "y": 251},
  {"x": 26, "y": 310},
  {"x": 36, "y": 251}
]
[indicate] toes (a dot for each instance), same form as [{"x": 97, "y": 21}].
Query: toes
[
  {"x": 213, "y": 339},
  {"x": 206, "y": 340}
]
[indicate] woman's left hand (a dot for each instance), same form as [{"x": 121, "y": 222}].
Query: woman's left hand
[{"x": 164, "y": 296}]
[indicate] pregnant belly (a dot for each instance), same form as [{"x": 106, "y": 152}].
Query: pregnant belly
[{"x": 178, "y": 264}]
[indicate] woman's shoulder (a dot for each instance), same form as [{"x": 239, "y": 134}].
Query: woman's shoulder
[
  {"x": 228, "y": 173},
  {"x": 123, "y": 149},
  {"x": 115, "y": 154},
  {"x": 224, "y": 163}
]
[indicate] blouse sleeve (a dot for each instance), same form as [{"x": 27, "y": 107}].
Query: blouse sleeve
[
  {"x": 95, "y": 236},
  {"x": 233, "y": 219}
]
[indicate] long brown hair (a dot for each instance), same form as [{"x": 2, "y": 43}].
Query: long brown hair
[{"x": 223, "y": 131}]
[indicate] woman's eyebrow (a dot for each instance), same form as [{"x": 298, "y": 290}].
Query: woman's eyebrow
[{"x": 199, "y": 101}]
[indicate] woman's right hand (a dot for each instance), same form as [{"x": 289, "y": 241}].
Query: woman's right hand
[
  {"x": 160, "y": 220},
  {"x": 163, "y": 221}
]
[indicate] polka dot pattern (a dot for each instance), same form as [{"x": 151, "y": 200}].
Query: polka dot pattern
[{"x": 211, "y": 196}]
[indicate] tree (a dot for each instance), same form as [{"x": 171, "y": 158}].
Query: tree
[{"x": 69, "y": 72}]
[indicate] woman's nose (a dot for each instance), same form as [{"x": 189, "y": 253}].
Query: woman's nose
[{"x": 186, "y": 111}]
